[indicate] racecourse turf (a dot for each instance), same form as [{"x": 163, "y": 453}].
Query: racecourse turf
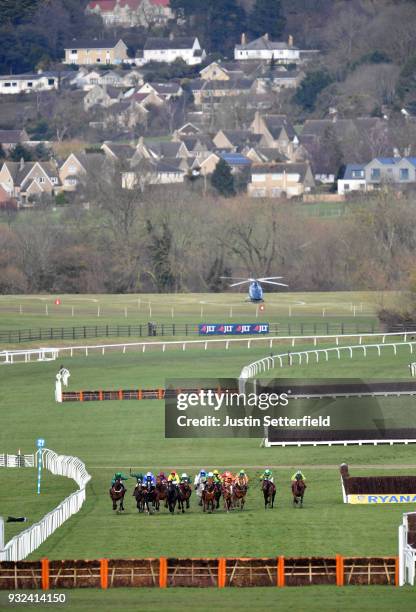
[
  {"x": 118, "y": 435},
  {"x": 290, "y": 599}
]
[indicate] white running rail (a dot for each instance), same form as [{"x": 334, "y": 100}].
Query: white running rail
[
  {"x": 30, "y": 539},
  {"x": 407, "y": 554},
  {"x": 17, "y": 460},
  {"x": 49, "y": 354}
]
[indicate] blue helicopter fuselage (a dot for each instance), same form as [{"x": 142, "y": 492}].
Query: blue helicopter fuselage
[{"x": 255, "y": 292}]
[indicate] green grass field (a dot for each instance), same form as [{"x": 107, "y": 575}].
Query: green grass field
[
  {"x": 110, "y": 436},
  {"x": 313, "y": 598}
]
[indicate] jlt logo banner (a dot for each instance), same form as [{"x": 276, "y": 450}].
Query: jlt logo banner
[{"x": 236, "y": 329}]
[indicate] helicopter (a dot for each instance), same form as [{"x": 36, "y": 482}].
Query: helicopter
[{"x": 255, "y": 290}]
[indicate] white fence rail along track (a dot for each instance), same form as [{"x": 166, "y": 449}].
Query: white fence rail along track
[
  {"x": 24, "y": 543},
  {"x": 407, "y": 551},
  {"x": 9, "y": 357},
  {"x": 305, "y": 357}
]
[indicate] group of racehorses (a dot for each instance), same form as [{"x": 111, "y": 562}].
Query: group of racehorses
[{"x": 148, "y": 498}]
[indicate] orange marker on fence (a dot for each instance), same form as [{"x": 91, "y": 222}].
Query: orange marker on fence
[
  {"x": 104, "y": 573},
  {"x": 45, "y": 574},
  {"x": 396, "y": 572},
  {"x": 281, "y": 572},
  {"x": 120, "y": 394},
  {"x": 163, "y": 572},
  {"x": 81, "y": 396},
  {"x": 339, "y": 570},
  {"x": 221, "y": 572}
]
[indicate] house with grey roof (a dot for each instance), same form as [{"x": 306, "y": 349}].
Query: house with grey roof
[
  {"x": 170, "y": 49},
  {"x": 27, "y": 83},
  {"x": 263, "y": 48},
  {"x": 352, "y": 180},
  {"x": 29, "y": 180},
  {"x": 279, "y": 180},
  {"x": 84, "y": 52},
  {"x": 390, "y": 170},
  {"x": 10, "y": 138}
]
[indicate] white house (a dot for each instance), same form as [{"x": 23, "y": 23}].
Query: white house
[
  {"x": 353, "y": 179},
  {"x": 169, "y": 49},
  {"x": 25, "y": 83},
  {"x": 264, "y": 49}
]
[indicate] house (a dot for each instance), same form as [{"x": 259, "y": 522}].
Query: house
[
  {"x": 170, "y": 49},
  {"x": 213, "y": 92},
  {"x": 152, "y": 172},
  {"x": 101, "y": 95},
  {"x": 199, "y": 146},
  {"x": 236, "y": 161},
  {"x": 236, "y": 140},
  {"x": 215, "y": 71},
  {"x": 353, "y": 179},
  {"x": 265, "y": 49},
  {"x": 188, "y": 129},
  {"x": 166, "y": 91},
  {"x": 94, "y": 51},
  {"x": 280, "y": 180},
  {"x": 390, "y": 170},
  {"x": 26, "y": 83},
  {"x": 125, "y": 113},
  {"x": 278, "y": 79},
  {"x": 10, "y": 138},
  {"x": 277, "y": 132},
  {"x": 27, "y": 180},
  {"x": 131, "y": 13}
]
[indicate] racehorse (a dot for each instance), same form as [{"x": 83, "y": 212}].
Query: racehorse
[
  {"x": 138, "y": 494},
  {"x": 184, "y": 493},
  {"x": 298, "y": 491},
  {"x": 239, "y": 494},
  {"x": 218, "y": 493},
  {"x": 117, "y": 493},
  {"x": 172, "y": 496},
  {"x": 269, "y": 492},
  {"x": 208, "y": 497},
  {"x": 227, "y": 493},
  {"x": 162, "y": 493}
]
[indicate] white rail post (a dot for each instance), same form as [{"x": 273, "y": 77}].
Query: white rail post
[{"x": 1, "y": 533}]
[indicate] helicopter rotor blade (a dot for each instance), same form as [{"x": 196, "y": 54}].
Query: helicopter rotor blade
[
  {"x": 244, "y": 282},
  {"x": 241, "y": 278},
  {"x": 267, "y": 278},
  {"x": 273, "y": 283}
]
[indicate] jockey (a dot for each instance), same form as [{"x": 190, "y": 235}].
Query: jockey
[
  {"x": 185, "y": 479},
  {"x": 267, "y": 475},
  {"x": 138, "y": 477},
  {"x": 174, "y": 477},
  {"x": 210, "y": 476},
  {"x": 118, "y": 476},
  {"x": 298, "y": 476},
  {"x": 242, "y": 478},
  {"x": 199, "y": 484},
  {"x": 149, "y": 479},
  {"x": 227, "y": 477},
  {"x": 217, "y": 477},
  {"x": 162, "y": 476}
]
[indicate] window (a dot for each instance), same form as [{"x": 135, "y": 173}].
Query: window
[
  {"x": 74, "y": 51},
  {"x": 404, "y": 174},
  {"x": 375, "y": 174},
  {"x": 7, "y": 84},
  {"x": 98, "y": 60},
  {"x": 41, "y": 179},
  {"x": 357, "y": 174},
  {"x": 54, "y": 180},
  {"x": 258, "y": 178},
  {"x": 51, "y": 81},
  {"x": 346, "y": 186}
]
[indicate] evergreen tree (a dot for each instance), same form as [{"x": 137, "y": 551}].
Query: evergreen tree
[
  {"x": 266, "y": 17},
  {"x": 20, "y": 152},
  {"x": 223, "y": 180},
  {"x": 310, "y": 88}
]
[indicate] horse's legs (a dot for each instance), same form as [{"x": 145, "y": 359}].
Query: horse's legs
[
  {"x": 114, "y": 504},
  {"x": 273, "y": 496}
]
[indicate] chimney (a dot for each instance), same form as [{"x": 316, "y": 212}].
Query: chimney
[
  {"x": 22, "y": 164},
  {"x": 171, "y": 36},
  {"x": 396, "y": 152},
  {"x": 243, "y": 39},
  {"x": 290, "y": 40},
  {"x": 266, "y": 36}
]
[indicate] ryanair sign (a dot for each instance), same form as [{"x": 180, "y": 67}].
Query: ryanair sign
[{"x": 396, "y": 498}]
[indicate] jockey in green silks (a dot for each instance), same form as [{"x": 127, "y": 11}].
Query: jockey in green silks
[
  {"x": 118, "y": 476},
  {"x": 267, "y": 475}
]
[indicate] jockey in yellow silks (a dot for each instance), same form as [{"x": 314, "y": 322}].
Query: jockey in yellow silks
[{"x": 241, "y": 478}]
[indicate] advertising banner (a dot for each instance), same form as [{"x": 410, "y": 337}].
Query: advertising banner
[{"x": 232, "y": 329}]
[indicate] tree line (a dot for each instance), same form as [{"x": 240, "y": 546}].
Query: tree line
[{"x": 160, "y": 240}]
